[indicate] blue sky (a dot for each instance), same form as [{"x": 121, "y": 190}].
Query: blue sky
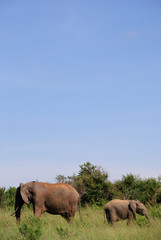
[{"x": 79, "y": 81}]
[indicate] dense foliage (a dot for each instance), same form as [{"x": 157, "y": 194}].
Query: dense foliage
[
  {"x": 94, "y": 187},
  {"x": 7, "y": 197},
  {"x": 145, "y": 190}
]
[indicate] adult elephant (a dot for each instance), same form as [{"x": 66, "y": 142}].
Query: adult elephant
[
  {"x": 59, "y": 198},
  {"x": 116, "y": 210}
]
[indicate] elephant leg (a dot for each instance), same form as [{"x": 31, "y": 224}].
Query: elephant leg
[
  {"x": 130, "y": 218},
  {"x": 129, "y": 221},
  {"x": 108, "y": 217},
  {"x": 109, "y": 221},
  {"x": 113, "y": 223},
  {"x": 113, "y": 218},
  {"x": 37, "y": 212},
  {"x": 67, "y": 217}
]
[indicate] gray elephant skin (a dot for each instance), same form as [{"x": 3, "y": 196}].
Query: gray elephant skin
[
  {"x": 117, "y": 210},
  {"x": 58, "y": 198}
]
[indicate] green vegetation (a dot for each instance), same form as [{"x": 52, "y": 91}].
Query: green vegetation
[
  {"x": 7, "y": 197},
  {"x": 95, "y": 190},
  {"x": 31, "y": 229},
  {"x": 89, "y": 226},
  {"x": 93, "y": 185}
]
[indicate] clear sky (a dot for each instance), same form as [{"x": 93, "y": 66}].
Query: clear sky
[{"x": 79, "y": 81}]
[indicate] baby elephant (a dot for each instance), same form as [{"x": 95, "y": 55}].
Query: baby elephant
[{"x": 116, "y": 210}]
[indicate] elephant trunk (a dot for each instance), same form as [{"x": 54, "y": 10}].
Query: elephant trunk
[{"x": 146, "y": 215}]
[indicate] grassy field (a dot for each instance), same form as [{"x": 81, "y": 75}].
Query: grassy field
[{"x": 89, "y": 226}]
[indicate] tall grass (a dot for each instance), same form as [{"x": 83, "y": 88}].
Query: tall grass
[{"x": 90, "y": 225}]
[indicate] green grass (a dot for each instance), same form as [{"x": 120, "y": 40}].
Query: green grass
[{"x": 89, "y": 226}]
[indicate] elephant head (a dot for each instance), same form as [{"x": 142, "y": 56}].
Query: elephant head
[
  {"x": 23, "y": 195},
  {"x": 137, "y": 207},
  {"x": 25, "y": 192}
]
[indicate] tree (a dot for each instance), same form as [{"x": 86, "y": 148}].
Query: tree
[
  {"x": 61, "y": 179},
  {"x": 92, "y": 184}
]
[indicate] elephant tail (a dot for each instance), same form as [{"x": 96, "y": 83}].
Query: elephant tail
[{"x": 14, "y": 211}]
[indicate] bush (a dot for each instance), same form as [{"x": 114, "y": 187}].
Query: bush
[
  {"x": 155, "y": 211},
  {"x": 9, "y": 196},
  {"x": 2, "y": 191},
  {"x": 131, "y": 187},
  {"x": 125, "y": 188},
  {"x": 32, "y": 229},
  {"x": 64, "y": 233}
]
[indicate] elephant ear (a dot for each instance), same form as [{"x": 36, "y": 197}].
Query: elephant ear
[
  {"x": 132, "y": 206},
  {"x": 25, "y": 194}
]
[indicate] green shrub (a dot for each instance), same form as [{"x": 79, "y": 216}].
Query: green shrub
[
  {"x": 155, "y": 211},
  {"x": 92, "y": 184},
  {"x": 31, "y": 230},
  {"x": 63, "y": 232},
  {"x": 132, "y": 187},
  {"x": 2, "y": 191},
  {"x": 142, "y": 221},
  {"x": 125, "y": 188},
  {"x": 9, "y": 196},
  {"x": 147, "y": 190}
]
